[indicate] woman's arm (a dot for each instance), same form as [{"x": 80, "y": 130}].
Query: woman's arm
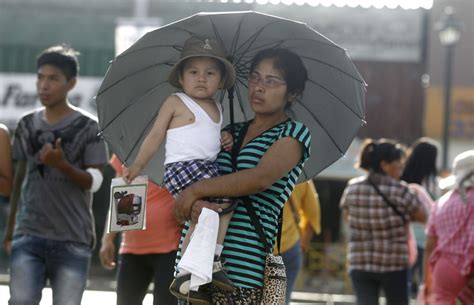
[
  {"x": 6, "y": 178},
  {"x": 430, "y": 245},
  {"x": 424, "y": 198},
  {"x": 282, "y": 156}
]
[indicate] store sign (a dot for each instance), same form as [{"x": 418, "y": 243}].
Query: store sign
[
  {"x": 18, "y": 95},
  {"x": 462, "y": 113}
]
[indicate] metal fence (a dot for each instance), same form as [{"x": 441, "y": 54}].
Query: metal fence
[{"x": 22, "y": 58}]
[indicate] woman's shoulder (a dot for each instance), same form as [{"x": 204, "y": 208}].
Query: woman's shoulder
[
  {"x": 292, "y": 124},
  {"x": 295, "y": 129},
  {"x": 357, "y": 180}
]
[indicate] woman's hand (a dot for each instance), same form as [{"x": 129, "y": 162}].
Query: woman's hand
[
  {"x": 107, "y": 254},
  {"x": 184, "y": 203},
  {"x": 199, "y": 205}
]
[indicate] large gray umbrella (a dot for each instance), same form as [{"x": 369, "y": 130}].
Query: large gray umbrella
[{"x": 135, "y": 84}]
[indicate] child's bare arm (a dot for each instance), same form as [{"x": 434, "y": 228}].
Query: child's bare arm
[
  {"x": 227, "y": 141},
  {"x": 152, "y": 141}
]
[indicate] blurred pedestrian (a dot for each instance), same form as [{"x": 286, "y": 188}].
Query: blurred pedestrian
[
  {"x": 450, "y": 245},
  {"x": 301, "y": 219},
  {"x": 5, "y": 162},
  {"x": 145, "y": 255},
  {"x": 59, "y": 161},
  {"x": 421, "y": 175},
  {"x": 378, "y": 207}
]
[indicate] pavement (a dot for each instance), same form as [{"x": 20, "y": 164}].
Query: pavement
[
  {"x": 94, "y": 297},
  {"x": 90, "y": 297}
]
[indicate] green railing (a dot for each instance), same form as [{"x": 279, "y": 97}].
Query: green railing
[{"x": 21, "y": 59}]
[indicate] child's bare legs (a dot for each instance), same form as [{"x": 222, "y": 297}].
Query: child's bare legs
[
  {"x": 219, "y": 277},
  {"x": 187, "y": 238},
  {"x": 224, "y": 220}
]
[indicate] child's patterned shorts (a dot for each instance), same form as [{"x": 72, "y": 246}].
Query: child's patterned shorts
[{"x": 180, "y": 175}]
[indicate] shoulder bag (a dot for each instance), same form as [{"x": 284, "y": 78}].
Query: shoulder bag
[
  {"x": 411, "y": 243},
  {"x": 274, "y": 278}
]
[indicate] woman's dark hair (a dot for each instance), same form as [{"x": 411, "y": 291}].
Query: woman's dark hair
[
  {"x": 289, "y": 63},
  {"x": 421, "y": 161},
  {"x": 374, "y": 152},
  {"x": 63, "y": 57}
]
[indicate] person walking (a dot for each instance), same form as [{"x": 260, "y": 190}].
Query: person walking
[
  {"x": 59, "y": 161},
  {"x": 378, "y": 207},
  {"x": 273, "y": 150},
  {"x": 449, "y": 253},
  {"x": 301, "y": 219},
  {"x": 145, "y": 256},
  {"x": 421, "y": 174}
]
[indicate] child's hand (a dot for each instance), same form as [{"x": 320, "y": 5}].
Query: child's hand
[
  {"x": 128, "y": 174},
  {"x": 227, "y": 141}
]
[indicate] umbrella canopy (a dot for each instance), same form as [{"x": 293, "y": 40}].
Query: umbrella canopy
[{"x": 135, "y": 85}]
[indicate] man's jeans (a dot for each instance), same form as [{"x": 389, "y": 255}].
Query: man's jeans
[
  {"x": 367, "y": 286},
  {"x": 34, "y": 260}
]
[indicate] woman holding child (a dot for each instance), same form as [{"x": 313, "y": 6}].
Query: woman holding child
[{"x": 269, "y": 160}]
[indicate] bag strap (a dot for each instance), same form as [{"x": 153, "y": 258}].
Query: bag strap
[
  {"x": 387, "y": 200},
  {"x": 238, "y": 145},
  {"x": 258, "y": 226},
  {"x": 246, "y": 200}
]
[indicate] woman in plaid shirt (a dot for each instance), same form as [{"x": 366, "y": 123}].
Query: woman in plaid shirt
[{"x": 377, "y": 250}]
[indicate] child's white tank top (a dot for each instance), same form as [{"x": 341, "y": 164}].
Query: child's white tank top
[{"x": 196, "y": 141}]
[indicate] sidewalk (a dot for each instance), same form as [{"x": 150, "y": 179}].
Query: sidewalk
[
  {"x": 94, "y": 297},
  {"x": 91, "y": 297}
]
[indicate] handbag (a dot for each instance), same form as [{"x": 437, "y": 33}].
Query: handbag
[
  {"x": 411, "y": 241},
  {"x": 274, "y": 277}
]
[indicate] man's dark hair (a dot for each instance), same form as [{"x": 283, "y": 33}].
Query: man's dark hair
[{"x": 61, "y": 56}]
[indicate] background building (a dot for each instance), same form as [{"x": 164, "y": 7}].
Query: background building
[{"x": 396, "y": 49}]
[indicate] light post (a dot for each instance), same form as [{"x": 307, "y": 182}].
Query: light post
[{"x": 449, "y": 30}]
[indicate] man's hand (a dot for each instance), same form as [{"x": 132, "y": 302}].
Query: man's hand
[
  {"x": 52, "y": 156},
  {"x": 227, "y": 141}
]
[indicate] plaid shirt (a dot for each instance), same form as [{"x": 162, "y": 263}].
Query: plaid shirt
[
  {"x": 378, "y": 238},
  {"x": 452, "y": 222}
]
